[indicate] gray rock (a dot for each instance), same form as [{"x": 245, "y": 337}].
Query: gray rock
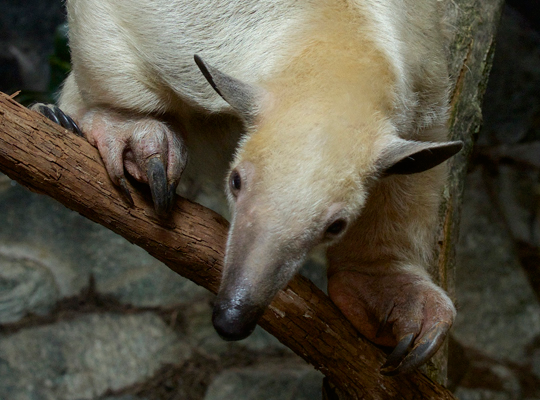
[
  {"x": 72, "y": 247},
  {"x": 125, "y": 397},
  {"x": 498, "y": 312},
  {"x": 260, "y": 340},
  {"x": 512, "y": 100},
  {"x": 523, "y": 153},
  {"x": 536, "y": 363},
  {"x": 268, "y": 383},
  {"x": 518, "y": 203},
  {"x": 315, "y": 269},
  {"x": 480, "y": 394},
  {"x": 85, "y": 357},
  {"x": 26, "y": 286},
  {"x": 6, "y": 183},
  {"x": 508, "y": 379}
]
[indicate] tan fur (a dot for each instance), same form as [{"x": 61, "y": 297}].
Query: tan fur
[{"x": 340, "y": 85}]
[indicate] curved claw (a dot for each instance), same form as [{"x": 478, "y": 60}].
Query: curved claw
[
  {"x": 172, "y": 193},
  {"x": 398, "y": 354},
  {"x": 157, "y": 179},
  {"x": 46, "y": 111},
  {"x": 125, "y": 191},
  {"x": 422, "y": 351},
  {"x": 56, "y": 115},
  {"x": 67, "y": 122}
]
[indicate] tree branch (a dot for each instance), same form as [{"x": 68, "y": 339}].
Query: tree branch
[{"x": 46, "y": 158}]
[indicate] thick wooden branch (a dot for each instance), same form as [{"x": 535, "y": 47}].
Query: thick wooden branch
[{"x": 47, "y": 159}]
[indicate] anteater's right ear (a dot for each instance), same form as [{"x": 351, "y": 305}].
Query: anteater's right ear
[
  {"x": 244, "y": 98},
  {"x": 410, "y": 157}
]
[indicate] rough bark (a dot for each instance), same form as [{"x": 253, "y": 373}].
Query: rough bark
[
  {"x": 472, "y": 26},
  {"x": 47, "y": 159}
]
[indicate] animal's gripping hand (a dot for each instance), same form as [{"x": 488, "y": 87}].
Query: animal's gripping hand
[
  {"x": 399, "y": 309},
  {"x": 143, "y": 146}
]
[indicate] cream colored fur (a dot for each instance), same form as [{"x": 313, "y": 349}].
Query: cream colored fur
[{"x": 344, "y": 79}]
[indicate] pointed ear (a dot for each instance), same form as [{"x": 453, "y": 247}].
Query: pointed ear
[
  {"x": 410, "y": 157},
  {"x": 244, "y": 98}
]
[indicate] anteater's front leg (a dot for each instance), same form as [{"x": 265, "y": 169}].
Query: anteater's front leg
[{"x": 378, "y": 278}]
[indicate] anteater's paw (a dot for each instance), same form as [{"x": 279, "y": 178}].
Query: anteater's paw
[
  {"x": 56, "y": 115},
  {"x": 144, "y": 147},
  {"x": 400, "y": 310}
]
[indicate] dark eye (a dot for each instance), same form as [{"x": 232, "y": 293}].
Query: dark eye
[
  {"x": 235, "y": 182},
  {"x": 336, "y": 227}
]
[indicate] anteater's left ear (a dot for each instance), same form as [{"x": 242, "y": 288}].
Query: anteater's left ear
[
  {"x": 244, "y": 98},
  {"x": 410, "y": 157}
]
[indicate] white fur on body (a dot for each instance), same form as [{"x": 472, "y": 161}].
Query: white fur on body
[
  {"x": 138, "y": 56},
  {"x": 345, "y": 80}
]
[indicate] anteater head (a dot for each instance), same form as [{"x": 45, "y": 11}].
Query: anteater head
[{"x": 300, "y": 178}]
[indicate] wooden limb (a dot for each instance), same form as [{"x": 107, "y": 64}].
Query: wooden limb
[{"x": 48, "y": 159}]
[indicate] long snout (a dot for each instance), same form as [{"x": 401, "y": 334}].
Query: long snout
[
  {"x": 257, "y": 265},
  {"x": 242, "y": 299}
]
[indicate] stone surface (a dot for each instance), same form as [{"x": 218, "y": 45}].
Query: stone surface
[
  {"x": 490, "y": 380},
  {"x": 536, "y": 363},
  {"x": 83, "y": 358},
  {"x": 508, "y": 380},
  {"x": 73, "y": 248},
  {"x": 5, "y": 183},
  {"x": 512, "y": 100},
  {"x": 315, "y": 270},
  {"x": 498, "y": 312},
  {"x": 518, "y": 203},
  {"x": 26, "y": 286},
  {"x": 480, "y": 394},
  {"x": 125, "y": 397},
  {"x": 268, "y": 383}
]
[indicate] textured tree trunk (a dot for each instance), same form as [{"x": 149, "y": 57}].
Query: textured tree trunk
[
  {"x": 47, "y": 159},
  {"x": 472, "y": 26}
]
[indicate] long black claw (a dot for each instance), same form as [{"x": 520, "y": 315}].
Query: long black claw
[
  {"x": 157, "y": 179},
  {"x": 56, "y": 115},
  {"x": 76, "y": 130},
  {"x": 67, "y": 122},
  {"x": 426, "y": 347},
  {"x": 125, "y": 190},
  {"x": 49, "y": 114},
  {"x": 396, "y": 357},
  {"x": 172, "y": 194}
]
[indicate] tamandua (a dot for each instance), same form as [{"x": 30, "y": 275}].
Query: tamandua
[{"x": 328, "y": 119}]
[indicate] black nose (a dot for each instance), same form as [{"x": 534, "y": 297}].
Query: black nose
[{"x": 234, "y": 322}]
